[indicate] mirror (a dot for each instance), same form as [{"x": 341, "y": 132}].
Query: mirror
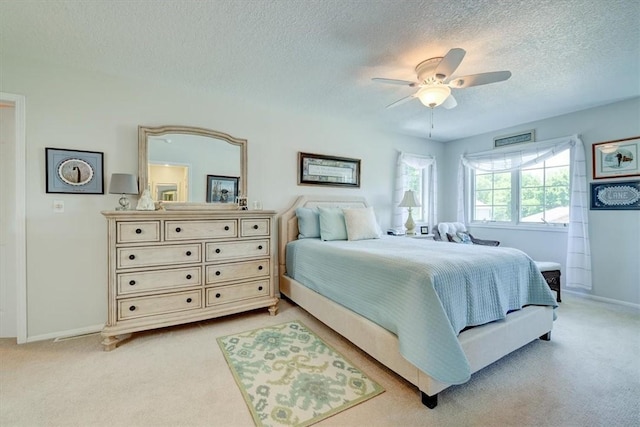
[{"x": 192, "y": 167}]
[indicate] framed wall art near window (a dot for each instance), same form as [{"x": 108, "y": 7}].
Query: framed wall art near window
[
  {"x": 74, "y": 171},
  {"x": 514, "y": 138},
  {"x": 317, "y": 169},
  {"x": 618, "y": 195},
  {"x": 424, "y": 229},
  {"x": 222, "y": 189},
  {"x": 616, "y": 159}
]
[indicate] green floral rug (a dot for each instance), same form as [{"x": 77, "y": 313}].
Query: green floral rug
[{"x": 290, "y": 377}]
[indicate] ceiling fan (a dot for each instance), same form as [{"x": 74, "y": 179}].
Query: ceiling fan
[{"x": 435, "y": 83}]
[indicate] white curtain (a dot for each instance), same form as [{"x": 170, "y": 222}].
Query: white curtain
[
  {"x": 426, "y": 164},
  {"x": 578, "y": 265}
]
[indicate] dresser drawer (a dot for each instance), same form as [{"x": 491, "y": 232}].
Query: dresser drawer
[
  {"x": 226, "y": 294},
  {"x": 142, "y": 281},
  {"x": 131, "y": 308},
  {"x": 236, "y": 271},
  {"x": 235, "y": 250},
  {"x": 158, "y": 255},
  {"x": 142, "y": 231},
  {"x": 191, "y": 230},
  {"x": 254, "y": 227}
]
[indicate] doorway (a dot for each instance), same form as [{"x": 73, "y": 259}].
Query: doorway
[{"x": 13, "y": 289}]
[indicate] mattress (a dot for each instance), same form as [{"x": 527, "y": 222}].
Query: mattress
[{"x": 423, "y": 291}]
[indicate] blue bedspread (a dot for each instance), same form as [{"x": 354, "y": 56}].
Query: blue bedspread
[{"x": 423, "y": 291}]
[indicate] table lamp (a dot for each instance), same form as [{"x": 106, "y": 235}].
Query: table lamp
[
  {"x": 409, "y": 201},
  {"x": 123, "y": 183}
]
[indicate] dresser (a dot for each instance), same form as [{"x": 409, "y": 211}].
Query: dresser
[{"x": 172, "y": 267}]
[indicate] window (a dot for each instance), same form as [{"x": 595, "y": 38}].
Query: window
[
  {"x": 414, "y": 180},
  {"x": 534, "y": 195}
]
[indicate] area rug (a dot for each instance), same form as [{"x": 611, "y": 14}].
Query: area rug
[{"x": 290, "y": 377}]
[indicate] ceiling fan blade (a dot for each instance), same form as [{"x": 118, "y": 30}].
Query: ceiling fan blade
[
  {"x": 401, "y": 101},
  {"x": 449, "y": 63},
  {"x": 450, "y": 102},
  {"x": 479, "y": 79},
  {"x": 394, "y": 81}
]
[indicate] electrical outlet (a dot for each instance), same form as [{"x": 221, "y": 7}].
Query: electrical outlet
[{"x": 58, "y": 206}]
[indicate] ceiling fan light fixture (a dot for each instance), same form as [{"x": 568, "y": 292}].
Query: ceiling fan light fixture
[{"x": 432, "y": 96}]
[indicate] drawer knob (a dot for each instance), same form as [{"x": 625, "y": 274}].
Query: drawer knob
[
  {"x": 188, "y": 253},
  {"x": 189, "y": 300},
  {"x": 217, "y": 273},
  {"x": 132, "y": 308},
  {"x": 132, "y": 282},
  {"x": 138, "y": 231},
  {"x": 259, "y": 267},
  {"x": 226, "y": 228},
  {"x": 255, "y": 227},
  {"x": 217, "y": 251},
  {"x": 260, "y": 247},
  {"x": 178, "y": 229},
  {"x": 218, "y": 295},
  {"x": 132, "y": 257},
  {"x": 259, "y": 288},
  {"x": 188, "y": 277}
]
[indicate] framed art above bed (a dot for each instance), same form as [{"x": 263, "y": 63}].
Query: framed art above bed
[{"x": 318, "y": 169}]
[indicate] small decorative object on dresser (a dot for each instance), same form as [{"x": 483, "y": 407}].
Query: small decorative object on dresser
[
  {"x": 146, "y": 202},
  {"x": 172, "y": 267}
]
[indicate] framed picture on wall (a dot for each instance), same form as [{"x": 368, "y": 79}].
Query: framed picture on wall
[
  {"x": 74, "y": 171},
  {"x": 617, "y": 195},
  {"x": 318, "y": 169},
  {"x": 222, "y": 189},
  {"x": 616, "y": 159}
]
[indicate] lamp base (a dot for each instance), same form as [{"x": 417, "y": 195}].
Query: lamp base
[
  {"x": 125, "y": 205},
  {"x": 410, "y": 225}
]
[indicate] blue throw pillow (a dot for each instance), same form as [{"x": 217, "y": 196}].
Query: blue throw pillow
[
  {"x": 332, "y": 225},
  {"x": 308, "y": 223}
]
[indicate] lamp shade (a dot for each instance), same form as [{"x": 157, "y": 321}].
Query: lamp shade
[
  {"x": 123, "y": 183},
  {"x": 432, "y": 96},
  {"x": 409, "y": 200}
]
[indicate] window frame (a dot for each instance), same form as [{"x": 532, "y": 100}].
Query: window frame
[
  {"x": 422, "y": 194},
  {"x": 516, "y": 189}
]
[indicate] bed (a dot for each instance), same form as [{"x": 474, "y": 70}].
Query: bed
[{"x": 439, "y": 349}]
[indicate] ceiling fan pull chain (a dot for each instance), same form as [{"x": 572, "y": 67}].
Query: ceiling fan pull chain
[{"x": 430, "y": 122}]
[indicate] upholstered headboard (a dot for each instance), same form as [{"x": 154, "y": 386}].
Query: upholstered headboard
[{"x": 288, "y": 222}]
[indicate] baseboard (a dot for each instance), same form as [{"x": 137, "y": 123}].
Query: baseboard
[
  {"x": 66, "y": 334},
  {"x": 601, "y": 299}
]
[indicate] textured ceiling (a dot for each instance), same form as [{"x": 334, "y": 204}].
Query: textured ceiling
[{"x": 320, "y": 56}]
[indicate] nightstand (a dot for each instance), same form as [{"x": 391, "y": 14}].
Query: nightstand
[{"x": 423, "y": 236}]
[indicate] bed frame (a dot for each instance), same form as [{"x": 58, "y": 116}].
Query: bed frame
[{"x": 482, "y": 345}]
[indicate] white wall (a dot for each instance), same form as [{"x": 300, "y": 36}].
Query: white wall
[
  {"x": 614, "y": 235},
  {"x": 74, "y": 109}
]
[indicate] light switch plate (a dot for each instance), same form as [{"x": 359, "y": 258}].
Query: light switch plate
[{"x": 58, "y": 206}]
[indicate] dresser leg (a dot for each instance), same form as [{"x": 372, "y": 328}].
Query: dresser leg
[
  {"x": 109, "y": 343},
  {"x": 273, "y": 310}
]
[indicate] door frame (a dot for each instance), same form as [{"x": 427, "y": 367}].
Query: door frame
[{"x": 19, "y": 102}]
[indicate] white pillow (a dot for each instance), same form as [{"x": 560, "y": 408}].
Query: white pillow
[{"x": 361, "y": 224}]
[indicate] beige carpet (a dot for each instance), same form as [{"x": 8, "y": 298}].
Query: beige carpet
[{"x": 587, "y": 375}]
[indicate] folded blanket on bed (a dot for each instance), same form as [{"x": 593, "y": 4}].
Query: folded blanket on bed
[{"x": 425, "y": 292}]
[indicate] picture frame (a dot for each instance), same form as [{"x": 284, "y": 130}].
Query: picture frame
[
  {"x": 616, "y": 159},
  {"x": 167, "y": 192},
  {"x": 318, "y": 169},
  {"x": 616, "y": 195},
  {"x": 424, "y": 229},
  {"x": 222, "y": 189},
  {"x": 74, "y": 171},
  {"x": 514, "y": 138}
]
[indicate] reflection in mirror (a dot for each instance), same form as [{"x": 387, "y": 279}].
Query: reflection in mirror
[{"x": 174, "y": 162}]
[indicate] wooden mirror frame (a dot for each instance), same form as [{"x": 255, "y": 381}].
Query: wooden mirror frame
[{"x": 143, "y": 160}]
